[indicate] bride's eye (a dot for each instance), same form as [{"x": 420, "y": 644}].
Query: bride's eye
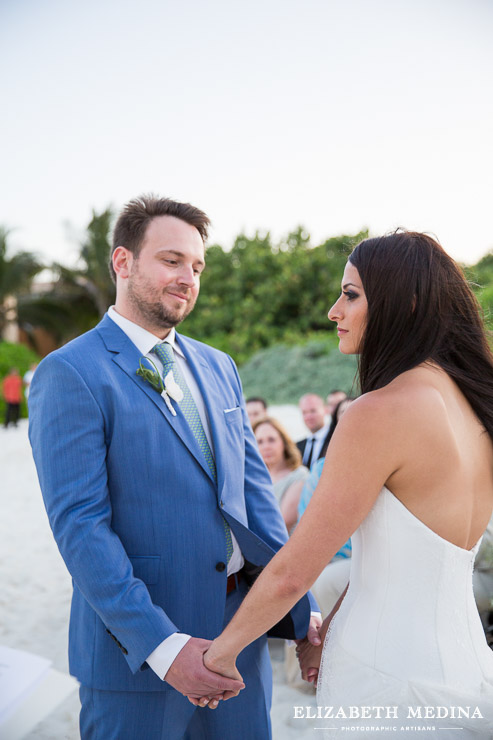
[{"x": 350, "y": 295}]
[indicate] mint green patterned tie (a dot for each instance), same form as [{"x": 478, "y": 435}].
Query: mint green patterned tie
[{"x": 189, "y": 409}]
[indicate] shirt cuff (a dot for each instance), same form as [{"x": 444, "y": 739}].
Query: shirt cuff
[{"x": 162, "y": 657}]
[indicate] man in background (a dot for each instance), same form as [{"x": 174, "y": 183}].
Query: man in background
[
  {"x": 313, "y": 447},
  {"x": 334, "y": 398},
  {"x": 256, "y": 408}
]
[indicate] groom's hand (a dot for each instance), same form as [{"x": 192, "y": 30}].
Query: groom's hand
[
  {"x": 313, "y": 634},
  {"x": 309, "y": 657},
  {"x": 223, "y": 666},
  {"x": 307, "y": 652},
  {"x": 188, "y": 674}
]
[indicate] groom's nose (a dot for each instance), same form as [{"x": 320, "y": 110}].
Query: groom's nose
[{"x": 187, "y": 276}]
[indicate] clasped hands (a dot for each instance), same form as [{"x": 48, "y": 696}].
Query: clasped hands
[{"x": 205, "y": 676}]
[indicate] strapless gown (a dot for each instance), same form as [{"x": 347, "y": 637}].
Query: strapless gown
[{"x": 406, "y": 648}]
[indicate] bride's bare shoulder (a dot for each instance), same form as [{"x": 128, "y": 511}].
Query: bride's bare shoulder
[{"x": 412, "y": 395}]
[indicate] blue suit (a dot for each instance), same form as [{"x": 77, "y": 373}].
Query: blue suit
[{"x": 136, "y": 513}]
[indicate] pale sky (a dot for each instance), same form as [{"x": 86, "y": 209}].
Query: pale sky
[{"x": 266, "y": 114}]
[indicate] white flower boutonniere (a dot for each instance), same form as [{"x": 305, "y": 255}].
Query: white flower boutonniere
[
  {"x": 168, "y": 390},
  {"x": 172, "y": 388},
  {"x": 171, "y": 391}
]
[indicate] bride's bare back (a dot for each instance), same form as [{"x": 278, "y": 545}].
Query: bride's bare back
[{"x": 446, "y": 477}]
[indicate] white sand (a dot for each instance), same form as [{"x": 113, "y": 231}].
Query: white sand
[{"x": 36, "y": 589}]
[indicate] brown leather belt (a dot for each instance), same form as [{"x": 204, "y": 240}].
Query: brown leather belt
[{"x": 233, "y": 581}]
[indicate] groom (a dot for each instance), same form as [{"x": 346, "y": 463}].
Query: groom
[{"x": 159, "y": 502}]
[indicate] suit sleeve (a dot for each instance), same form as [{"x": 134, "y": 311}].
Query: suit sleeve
[{"x": 67, "y": 434}]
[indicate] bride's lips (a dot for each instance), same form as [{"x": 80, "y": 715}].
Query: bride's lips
[{"x": 341, "y": 332}]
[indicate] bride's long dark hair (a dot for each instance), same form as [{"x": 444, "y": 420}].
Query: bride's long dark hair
[{"x": 421, "y": 308}]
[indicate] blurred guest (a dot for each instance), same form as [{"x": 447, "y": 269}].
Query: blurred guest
[
  {"x": 483, "y": 575},
  {"x": 256, "y": 408},
  {"x": 28, "y": 376},
  {"x": 12, "y": 395},
  {"x": 334, "y": 578},
  {"x": 316, "y": 470},
  {"x": 333, "y": 399},
  {"x": 283, "y": 461},
  {"x": 312, "y": 408}
]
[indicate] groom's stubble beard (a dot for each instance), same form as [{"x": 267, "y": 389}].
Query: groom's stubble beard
[{"x": 147, "y": 301}]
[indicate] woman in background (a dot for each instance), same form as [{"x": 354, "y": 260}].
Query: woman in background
[
  {"x": 316, "y": 470},
  {"x": 334, "y": 578},
  {"x": 283, "y": 461}
]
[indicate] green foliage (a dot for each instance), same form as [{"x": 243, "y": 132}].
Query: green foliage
[
  {"x": 481, "y": 278},
  {"x": 19, "y": 356},
  {"x": 94, "y": 254},
  {"x": 152, "y": 376},
  {"x": 16, "y": 274},
  {"x": 257, "y": 295},
  {"x": 79, "y": 297},
  {"x": 281, "y": 374},
  {"x": 261, "y": 293},
  {"x": 65, "y": 312}
]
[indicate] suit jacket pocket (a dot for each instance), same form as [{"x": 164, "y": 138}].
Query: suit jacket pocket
[
  {"x": 233, "y": 416},
  {"x": 146, "y": 567}
]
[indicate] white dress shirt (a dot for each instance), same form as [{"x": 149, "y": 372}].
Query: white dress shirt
[
  {"x": 318, "y": 440},
  {"x": 162, "y": 657}
]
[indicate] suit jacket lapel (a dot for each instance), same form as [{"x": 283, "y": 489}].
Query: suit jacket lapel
[
  {"x": 213, "y": 401},
  {"x": 127, "y": 356}
]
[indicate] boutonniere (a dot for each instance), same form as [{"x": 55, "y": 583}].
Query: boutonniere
[{"x": 169, "y": 389}]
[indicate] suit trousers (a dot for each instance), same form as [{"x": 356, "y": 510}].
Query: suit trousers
[{"x": 167, "y": 715}]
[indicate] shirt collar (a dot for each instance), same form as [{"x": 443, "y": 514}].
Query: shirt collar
[
  {"x": 321, "y": 432},
  {"x": 144, "y": 340}
]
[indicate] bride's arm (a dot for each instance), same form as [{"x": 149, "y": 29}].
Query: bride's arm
[{"x": 365, "y": 450}]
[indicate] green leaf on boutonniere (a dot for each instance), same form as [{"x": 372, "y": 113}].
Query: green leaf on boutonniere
[{"x": 151, "y": 375}]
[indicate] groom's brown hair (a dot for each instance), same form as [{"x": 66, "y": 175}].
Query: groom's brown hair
[{"x": 136, "y": 215}]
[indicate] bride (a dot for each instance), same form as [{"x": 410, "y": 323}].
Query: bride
[{"x": 409, "y": 475}]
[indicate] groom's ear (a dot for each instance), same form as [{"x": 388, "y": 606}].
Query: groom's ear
[{"x": 122, "y": 259}]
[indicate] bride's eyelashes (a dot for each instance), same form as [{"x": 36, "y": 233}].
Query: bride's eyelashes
[{"x": 350, "y": 295}]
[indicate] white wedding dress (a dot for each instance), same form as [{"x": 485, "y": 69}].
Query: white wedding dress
[{"x": 407, "y": 636}]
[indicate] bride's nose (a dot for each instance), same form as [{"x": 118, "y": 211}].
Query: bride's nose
[{"x": 335, "y": 312}]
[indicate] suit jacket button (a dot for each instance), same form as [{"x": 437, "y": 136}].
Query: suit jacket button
[{"x": 220, "y": 567}]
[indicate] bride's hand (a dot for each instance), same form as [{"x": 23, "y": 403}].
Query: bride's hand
[
  {"x": 309, "y": 657},
  {"x": 225, "y": 666},
  {"x": 219, "y": 662}
]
